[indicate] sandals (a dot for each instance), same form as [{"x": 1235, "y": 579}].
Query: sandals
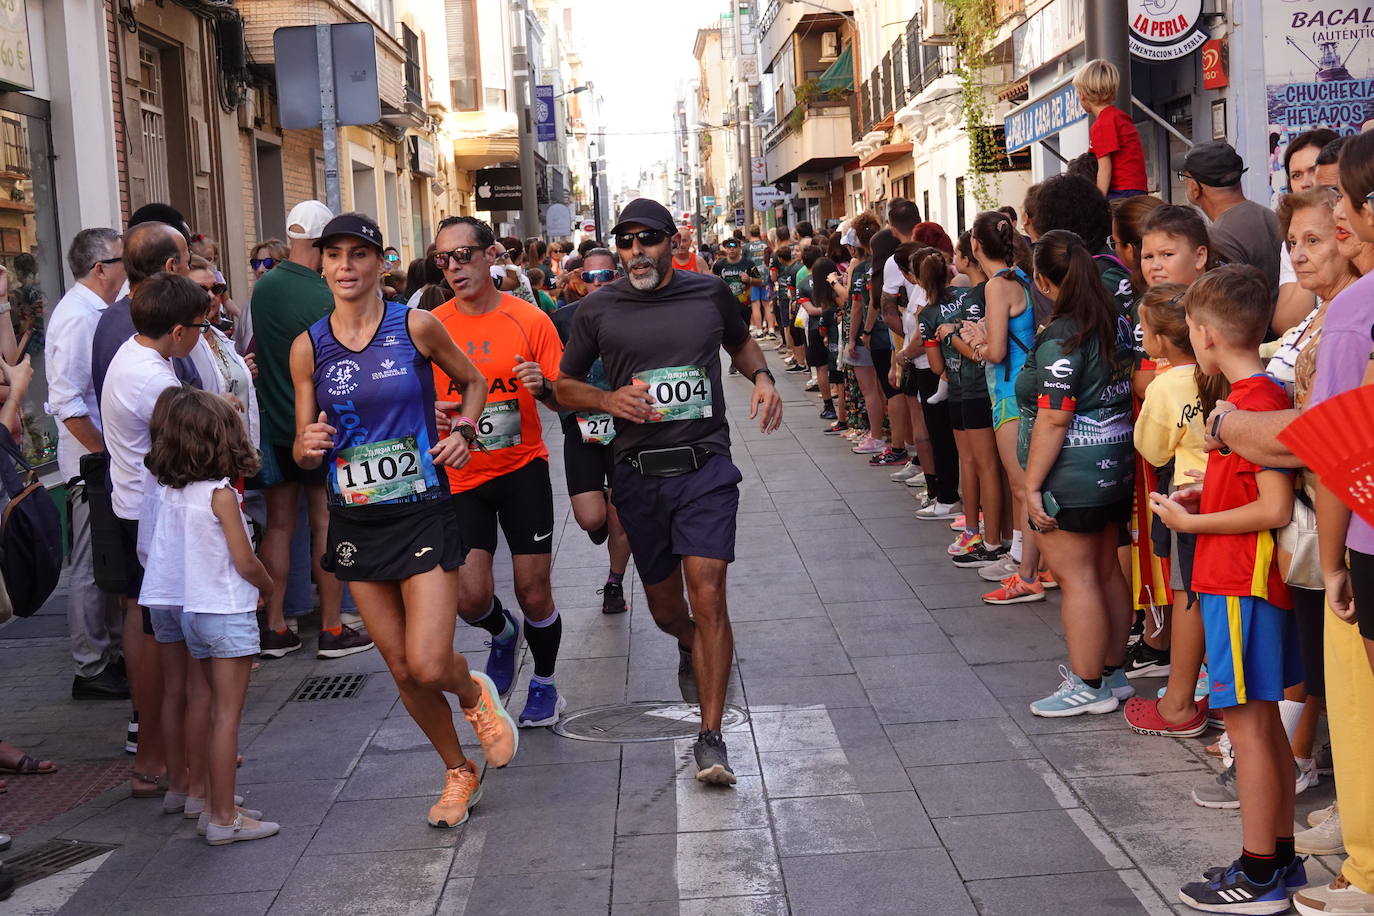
[
  {"x": 28, "y": 766},
  {"x": 159, "y": 786}
]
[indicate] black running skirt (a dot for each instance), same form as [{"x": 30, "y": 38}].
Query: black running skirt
[{"x": 388, "y": 543}]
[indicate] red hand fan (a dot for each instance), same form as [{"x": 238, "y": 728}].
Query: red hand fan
[{"x": 1336, "y": 440}]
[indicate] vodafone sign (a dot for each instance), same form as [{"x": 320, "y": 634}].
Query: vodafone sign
[{"x": 1165, "y": 29}]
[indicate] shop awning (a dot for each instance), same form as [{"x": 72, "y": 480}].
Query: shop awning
[
  {"x": 840, "y": 75},
  {"x": 482, "y": 138},
  {"x": 888, "y": 152}
]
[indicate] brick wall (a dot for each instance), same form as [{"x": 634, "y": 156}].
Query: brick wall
[
  {"x": 298, "y": 165},
  {"x": 247, "y": 152}
]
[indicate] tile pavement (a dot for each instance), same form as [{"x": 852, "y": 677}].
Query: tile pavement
[{"x": 890, "y": 765}]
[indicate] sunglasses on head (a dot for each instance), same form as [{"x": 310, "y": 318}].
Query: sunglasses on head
[
  {"x": 605, "y": 275},
  {"x": 647, "y": 237},
  {"x": 262, "y": 263},
  {"x": 461, "y": 255}
]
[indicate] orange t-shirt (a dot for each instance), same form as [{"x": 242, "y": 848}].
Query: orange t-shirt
[{"x": 509, "y": 426}]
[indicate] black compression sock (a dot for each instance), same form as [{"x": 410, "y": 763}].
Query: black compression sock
[
  {"x": 1109, "y": 670},
  {"x": 615, "y": 578},
  {"x": 495, "y": 621},
  {"x": 543, "y": 638},
  {"x": 1094, "y": 682},
  {"x": 1259, "y": 869},
  {"x": 1284, "y": 851}
]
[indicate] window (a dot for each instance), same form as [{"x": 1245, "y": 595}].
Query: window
[
  {"x": 154, "y": 122},
  {"x": 959, "y": 205},
  {"x": 414, "y": 91}
]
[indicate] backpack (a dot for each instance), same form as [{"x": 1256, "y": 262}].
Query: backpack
[{"x": 30, "y": 533}]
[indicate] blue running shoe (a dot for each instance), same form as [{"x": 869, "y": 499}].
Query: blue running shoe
[
  {"x": 1294, "y": 876},
  {"x": 1074, "y": 698},
  {"x": 1120, "y": 687},
  {"x": 1232, "y": 892},
  {"x": 543, "y": 706},
  {"x": 502, "y": 659}
]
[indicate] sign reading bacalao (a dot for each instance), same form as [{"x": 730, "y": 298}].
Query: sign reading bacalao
[
  {"x": 1165, "y": 29},
  {"x": 16, "y": 67},
  {"x": 1044, "y": 117}
]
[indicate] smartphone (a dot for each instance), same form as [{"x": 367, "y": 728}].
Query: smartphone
[{"x": 1051, "y": 504}]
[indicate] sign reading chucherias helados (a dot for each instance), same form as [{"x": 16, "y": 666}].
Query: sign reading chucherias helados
[
  {"x": 1318, "y": 70},
  {"x": 1166, "y": 29}
]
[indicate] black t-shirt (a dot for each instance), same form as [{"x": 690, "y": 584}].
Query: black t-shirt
[
  {"x": 735, "y": 276},
  {"x": 671, "y": 339}
]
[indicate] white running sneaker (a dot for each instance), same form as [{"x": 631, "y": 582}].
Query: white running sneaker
[
  {"x": 869, "y": 446},
  {"x": 918, "y": 481},
  {"x": 937, "y": 509},
  {"x": 905, "y": 472},
  {"x": 1323, "y": 839},
  {"x": 1307, "y": 775}
]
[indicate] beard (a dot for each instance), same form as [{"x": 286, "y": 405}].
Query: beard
[{"x": 649, "y": 281}]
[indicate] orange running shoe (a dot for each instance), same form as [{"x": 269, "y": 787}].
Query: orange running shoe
[
  {"x": 1015, "y": 590},
  {"x": 494, "y": 727},
  {"x": 462, "y": 791},
  {"x": 1047, "y": 579}
]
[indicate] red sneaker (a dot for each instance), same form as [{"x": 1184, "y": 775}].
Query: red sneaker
[{"x": 1143, "y": 717}]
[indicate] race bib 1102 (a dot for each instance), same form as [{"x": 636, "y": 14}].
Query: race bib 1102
[
  {"x": 499, "y": 425},
  {"x": 596, "y": 428},
  {"x": 679, "y": 392},
  {"x": 378, "y": 472}
]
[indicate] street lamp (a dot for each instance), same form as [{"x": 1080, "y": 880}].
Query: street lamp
[{"x": 573, "y": 91}]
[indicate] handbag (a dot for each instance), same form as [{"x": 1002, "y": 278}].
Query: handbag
[{"x": 1296, "y": 548}]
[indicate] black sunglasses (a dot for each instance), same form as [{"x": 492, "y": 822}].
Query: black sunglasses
[
  {"x": 262, "y": 263},
  {"x": 605, "y": 275},
  {"x": 215, "y": 289},
  {"x": 734, "y": 244},
  {"x": 109, "y": 260},
  {"x": 647, "y": 237},
  {"x": 201, "y": 326},
  {"x": 461, "y": 255}
]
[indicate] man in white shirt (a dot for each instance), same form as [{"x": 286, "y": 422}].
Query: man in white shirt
[{"x": 94, "y": 618}]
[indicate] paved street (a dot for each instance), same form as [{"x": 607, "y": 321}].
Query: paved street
[{"x": 889, "y": 765}]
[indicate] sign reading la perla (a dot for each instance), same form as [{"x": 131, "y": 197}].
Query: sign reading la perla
[
  {"x": 1165, "y": 29},
  {"x": 16, "y": 66}
]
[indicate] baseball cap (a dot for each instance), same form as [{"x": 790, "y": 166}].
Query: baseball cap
[
  {"x": 351, "y": 224},
  {"x": 311, "y": 216},
  {"x": 646, "y": 212},
  {"x": 1214, "y": 163}
]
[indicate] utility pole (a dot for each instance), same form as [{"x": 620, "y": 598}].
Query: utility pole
[
  {"x": 596, "y": 194},
  {"x": 1106, "y": 32},
  {"x": 746, "y": 164},
  {"x": 529, "y": 183}
]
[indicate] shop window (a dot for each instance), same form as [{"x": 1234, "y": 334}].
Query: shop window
[{"x": 154, "y": 122}]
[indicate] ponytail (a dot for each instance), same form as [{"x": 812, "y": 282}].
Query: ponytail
[
  {"x": 1064, "y": 260},
  {"x": 931, "y": 270}
]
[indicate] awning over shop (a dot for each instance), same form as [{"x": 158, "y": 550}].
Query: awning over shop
[
  {"x": 841, "y": 72},
  {"x": 888, "y": 152},
  {"x": 482, "y": 138}
]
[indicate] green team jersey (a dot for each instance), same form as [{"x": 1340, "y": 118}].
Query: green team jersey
[
  {"x": 972, "y": 379},
  {"x": 1117, "y": 280},
  {"x": 787, "y": 284},
  {"x": 948, "y": 309},
  {"x": 735, "y": 276},
  {"x": 757, "y": 251},
  {"x": 1096, "y": 465}
]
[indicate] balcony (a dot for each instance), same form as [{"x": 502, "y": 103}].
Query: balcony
[
  {"x": 814, "y": 136},
  {"x": 263, "y": 17}
]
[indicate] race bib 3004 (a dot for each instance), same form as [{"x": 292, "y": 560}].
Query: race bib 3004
[
  {"x": 499, "y": 425},
  {"x": 378, "y": 472},
  {"x": 596, "y": 428},
  {"x": 679, "y": 392}
]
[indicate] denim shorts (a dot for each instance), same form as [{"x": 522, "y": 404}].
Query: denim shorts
[
  {"x": 166, "y": 624},
  {"x": 221, "y": 635}
]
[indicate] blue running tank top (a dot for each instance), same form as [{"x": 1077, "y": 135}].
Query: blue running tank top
[{"x": 381, "y": 401}]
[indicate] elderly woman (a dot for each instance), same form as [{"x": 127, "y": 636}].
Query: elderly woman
[{"x": 221, "y": 368}]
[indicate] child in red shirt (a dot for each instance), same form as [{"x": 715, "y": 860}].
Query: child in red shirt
[
  {"x": 1246, "y": 607},
  {"x": 1112, "y": 138}
]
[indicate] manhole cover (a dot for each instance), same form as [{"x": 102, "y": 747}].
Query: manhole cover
[
  {"x": 50, "y": 858},
  {"x": 329, "y": 687},
  {"x": 627, "y": 723}
]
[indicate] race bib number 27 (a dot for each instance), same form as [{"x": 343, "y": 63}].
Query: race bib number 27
[
  {"x": 679, "y": 392},
  {"x": 596, "y": 428}
]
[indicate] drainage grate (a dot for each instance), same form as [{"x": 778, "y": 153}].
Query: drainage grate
[
  {"x": 634, "y": 722},
  {"x": 329, "y": 687},
  {"x": 50, "y": 858}
]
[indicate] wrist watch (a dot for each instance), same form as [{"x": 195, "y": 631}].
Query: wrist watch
[{"x": 754, "y": 377}]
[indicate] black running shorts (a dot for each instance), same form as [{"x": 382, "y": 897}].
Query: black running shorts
[
  {"x": 586, "y": 466},
  {"x": 391, "y": 542},
  {"x": 520, "y": 502}
]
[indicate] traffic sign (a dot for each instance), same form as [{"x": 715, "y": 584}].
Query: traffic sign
[
  {"x": 589, "y": 227},
  {"x": 739, "y": 216}
]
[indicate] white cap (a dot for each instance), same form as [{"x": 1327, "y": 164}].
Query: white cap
[
  {"x": 850, "y": 237},
  {"x": 311, "y": 215}
]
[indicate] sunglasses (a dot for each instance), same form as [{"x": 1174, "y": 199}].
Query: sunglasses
[
  {"x": 215, "y": 289},
  {"x": 262, "y": 263},
  {"x": 110, "y": 260},
  {"x": 604, "y": 275},
  {"x": 647, "y": 237},
  {"x": 1337, "y": 196},
  {"x": 729, "y": 244},
  {"x": 462, "y": 255},
  {"x": 201, "y": 326}
]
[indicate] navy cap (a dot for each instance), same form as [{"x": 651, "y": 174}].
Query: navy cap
[
  {"x": 356, "y": 225},
  {"x": 645, "y": 212}
]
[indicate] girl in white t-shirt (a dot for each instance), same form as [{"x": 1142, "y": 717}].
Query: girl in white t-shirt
[{"x": 201, "y": 569}]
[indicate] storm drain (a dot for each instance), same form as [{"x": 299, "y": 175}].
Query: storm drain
[
  {"x": 50, "y": 858},
  {"x": 629, "y": 723},
  {"x": 329, "y": 687}
]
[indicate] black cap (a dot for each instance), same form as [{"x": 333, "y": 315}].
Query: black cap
[
  {"x": 648, "y": 213},
  {"x": 1214, "y": 163},
  {"x": 354, "y": 224}
]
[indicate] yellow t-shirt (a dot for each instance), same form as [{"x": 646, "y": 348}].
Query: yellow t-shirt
[{"x": 1170, "y": 425}]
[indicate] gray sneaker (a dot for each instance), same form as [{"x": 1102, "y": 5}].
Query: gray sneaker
[
  {"x": 203, "y": 819},
  {"x": 686, "y": 676},
  {"x": 1325, "y": 839},
  {"x": 713, "y": 763},
  {"x": 239, "y": 832},
  {"x": 1221, "y": 793}
]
